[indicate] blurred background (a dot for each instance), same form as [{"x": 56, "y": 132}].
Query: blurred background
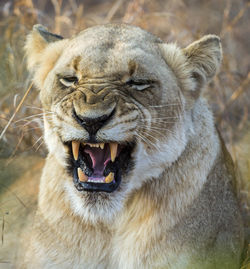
[{"x": 22, "y": 148}]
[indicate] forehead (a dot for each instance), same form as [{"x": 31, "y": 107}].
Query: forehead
[{"x": 110, "y": 49}]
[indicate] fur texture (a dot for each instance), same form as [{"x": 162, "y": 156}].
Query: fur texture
[{"x": 176, "y": 207}]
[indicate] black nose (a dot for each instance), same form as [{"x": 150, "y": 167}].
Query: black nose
[{"x": 92, "y": 125}]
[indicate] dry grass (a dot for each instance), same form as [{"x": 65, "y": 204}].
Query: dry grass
[{"x": 181, "y": 20}]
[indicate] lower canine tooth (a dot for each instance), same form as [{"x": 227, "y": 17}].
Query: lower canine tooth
[
  {"x": 82, "y": 177},
  {"x": 75, "y": 149},
  {"x": 109, "y": 178}
]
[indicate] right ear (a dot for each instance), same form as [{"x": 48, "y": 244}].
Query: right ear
[{"x": 37, "y": 41}]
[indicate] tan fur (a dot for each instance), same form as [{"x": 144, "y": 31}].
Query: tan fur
[{"x": 176, "y": 207}]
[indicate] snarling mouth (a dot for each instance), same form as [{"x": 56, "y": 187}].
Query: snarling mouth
[{"x": 99, "y": 166}]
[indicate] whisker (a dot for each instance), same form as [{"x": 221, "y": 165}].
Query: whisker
[
  {"x": 37, "y": 120},
  {"x": 26, "y": 120},
  {"x": 34, "y": 107},
  {"x": 35, "y": 115},
  {"x": 154, "y": 128},
  {"x": 160, "y": 121},
  {"x": 150, "y": 135},
  {"x": 158, "y": 141},
  {"x": 147, "y": 141},
  {"x": 157, "y": 131},
  {"x": 162, "y": 118},
  {"x": 166, "y": 105}
]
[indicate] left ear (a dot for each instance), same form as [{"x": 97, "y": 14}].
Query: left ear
[{"x": 204, "y": 57}]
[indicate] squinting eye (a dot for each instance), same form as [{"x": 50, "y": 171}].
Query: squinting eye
[
  {"x": 68, "y": 81},
  {"x": 138, "y": 85}
]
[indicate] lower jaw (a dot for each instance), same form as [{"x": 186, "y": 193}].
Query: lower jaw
[
  {"x": 96, "y": 187},
  {"x": 121, "y": 166}
]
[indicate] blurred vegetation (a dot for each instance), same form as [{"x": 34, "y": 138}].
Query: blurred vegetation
[{"x": 173, "y": 20}]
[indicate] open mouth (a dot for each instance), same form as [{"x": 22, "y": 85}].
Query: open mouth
[{"x": 99, "y": 166}]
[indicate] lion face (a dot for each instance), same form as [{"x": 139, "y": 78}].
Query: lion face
[{"x": 116, "y": 102}]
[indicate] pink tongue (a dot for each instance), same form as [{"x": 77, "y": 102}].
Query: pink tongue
[{"x": 99, "y": 159}]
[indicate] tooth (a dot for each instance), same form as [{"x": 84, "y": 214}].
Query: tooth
[
  {"x": 82, "y": 177},
  {"x": 109, "y": 178},
  {"x": 102, "y": 145},
  {"x": 75, "y": 149},
  {"x": 113, "y": 150}
]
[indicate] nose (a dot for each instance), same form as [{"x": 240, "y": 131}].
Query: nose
[{"x": 92, "y": 125}]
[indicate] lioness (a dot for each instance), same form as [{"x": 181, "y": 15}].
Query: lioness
[{"x": 136, "y": 176}]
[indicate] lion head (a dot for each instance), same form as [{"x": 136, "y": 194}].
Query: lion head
[{"x": 117, "y": 106}]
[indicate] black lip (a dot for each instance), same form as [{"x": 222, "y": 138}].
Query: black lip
[{"x": 96, "y": 187}]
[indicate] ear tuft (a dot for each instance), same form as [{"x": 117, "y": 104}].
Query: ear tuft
[
  {"x": 204, "y": 57},
  {"x": 36, "y": 43}
]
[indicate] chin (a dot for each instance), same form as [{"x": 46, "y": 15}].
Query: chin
[{"x": 99, "y": 177}]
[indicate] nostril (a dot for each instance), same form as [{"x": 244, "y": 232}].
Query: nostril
[{"x": 92, "y": 125}]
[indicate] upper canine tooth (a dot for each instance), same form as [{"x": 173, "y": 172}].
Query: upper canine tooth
[
  {"x": 113, "y": 150},
  {"x": 75, "y": 149},
  {"x": 82, "y": 177},
  {"x": 102, "y": 145}
]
